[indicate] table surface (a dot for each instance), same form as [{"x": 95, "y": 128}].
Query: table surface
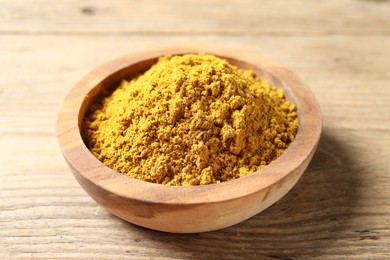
[{"x": 341, "y": 48}]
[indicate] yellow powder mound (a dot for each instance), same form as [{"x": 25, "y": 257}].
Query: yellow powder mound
[{"x": 190, "y": 120}]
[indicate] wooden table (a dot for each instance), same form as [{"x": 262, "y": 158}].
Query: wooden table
[{"x": 339, "y": 209}]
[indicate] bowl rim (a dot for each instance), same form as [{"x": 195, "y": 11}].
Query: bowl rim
[{"x": 81, "y": 160}]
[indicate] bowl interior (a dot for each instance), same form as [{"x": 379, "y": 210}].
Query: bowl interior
[{"x": 104, "y": 79}]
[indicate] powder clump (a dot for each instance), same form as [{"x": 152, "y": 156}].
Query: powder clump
[{"x": 190, "y": 120}]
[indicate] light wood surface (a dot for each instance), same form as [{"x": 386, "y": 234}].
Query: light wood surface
[
  {"x": 187, "y": 209},
  {"x": 339, "y": 208}
]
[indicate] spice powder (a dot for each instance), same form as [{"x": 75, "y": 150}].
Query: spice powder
[{"x": 190, "y": 120}]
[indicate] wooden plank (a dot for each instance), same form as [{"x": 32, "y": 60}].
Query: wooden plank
[
  {"x": 280, "y": 17},
  {"x": 339, "y": 209}
]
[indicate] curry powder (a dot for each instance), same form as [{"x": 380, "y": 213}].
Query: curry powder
[{"x": 190, "y": 120}]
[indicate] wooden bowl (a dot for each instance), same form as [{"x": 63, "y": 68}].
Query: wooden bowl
[{"x": 181, "y": 209}]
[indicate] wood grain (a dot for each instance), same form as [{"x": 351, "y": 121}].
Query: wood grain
[
  {"x": 339, "y": 209},
  {"x": 355, "y": 17}
]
